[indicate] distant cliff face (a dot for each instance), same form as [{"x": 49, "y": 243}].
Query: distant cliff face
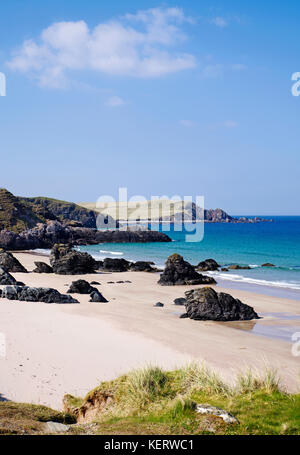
[{"x": 18, "y": 214}]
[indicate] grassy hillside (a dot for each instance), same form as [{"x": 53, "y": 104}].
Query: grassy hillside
[
  {"x": 153, "y": 401},
  {"x": 18, "y": 213}
]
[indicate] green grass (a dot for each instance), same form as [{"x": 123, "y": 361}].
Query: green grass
[
  {"x": 23, "y": 418},
  {"x": 154, "y": 401}
]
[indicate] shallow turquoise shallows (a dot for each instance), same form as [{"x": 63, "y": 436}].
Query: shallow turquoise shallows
[{"x": 277, "y": 242}]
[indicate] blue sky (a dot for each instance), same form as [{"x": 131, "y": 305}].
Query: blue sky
[{"x": 188, "y": 98}]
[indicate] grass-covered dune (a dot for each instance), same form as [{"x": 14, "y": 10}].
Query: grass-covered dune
[{"x": 153, "y": 401}]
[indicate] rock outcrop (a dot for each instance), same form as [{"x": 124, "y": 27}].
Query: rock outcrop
[
  {"x": 206, "y": 304},
  {"x": 10, "y": 263},
  {"x": 224, "y": 415},
  {"x": 81, "y": 287},
  {"x": 115, "y": 265},
  {"x": 28, "y": 294},
  {"x": 6, "y": 278},
  {"x": 142, "y": 266},
  {"x": 42, "y": 267},
  {"x": 66, "y": 261},
  {"x": 97, "y": 297},
  {"x": 268, "y": 264},
  {"x": 208, "y": 265},
  {"x": 46, "y": 235},
  {"x": 239, "y": 267},
  {"x": 179, "y": 272},
  {"x": 180, "y": 302}
]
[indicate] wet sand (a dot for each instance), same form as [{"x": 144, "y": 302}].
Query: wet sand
[{"x": 58, "y": 349}]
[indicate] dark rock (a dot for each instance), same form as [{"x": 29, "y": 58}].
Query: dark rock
[
  {"x": 81, "y": 287},
  {"x": 19, "y": 283},
  {"x": 42, "y": 267},
  {"x": 208, "y": 265},
  {"x": 10, "y": 263},
  {"x": 120, "y": 282},
  {"x": 179, "y": 272},
  {"x": 97, "y": 297},
  {"x": 110, "y": 282},
  {"x": 159, "y": 305},
  {"x": 224, "y": 269},
  {"x": 268, "y": 264},
  {"x": 6, "y": 278},
  {"x": 239, "y": 267},
  {"x": 127, "y": 281},
  {"x": 27, "y": 294},
  {"x": 46, "y": 235},
  {"x": 66, "y": 261},
  {"x": 206, "y": 304},
  {"x": 99, "y": 264},
  {"x": 115, "y": 265},
  {"x": 180, "y": 302},
  {"x": 95, "y": 282},
  {"x": 184, "y": 316},
  {"x": 142, "y": 266}
]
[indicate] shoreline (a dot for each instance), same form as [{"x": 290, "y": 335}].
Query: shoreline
[
  {"x": 58, "y": 349},
  {"x": 242, "y": 284}
]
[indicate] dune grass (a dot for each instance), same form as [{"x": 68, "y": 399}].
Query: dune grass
[{"x": 153, "y": 401}]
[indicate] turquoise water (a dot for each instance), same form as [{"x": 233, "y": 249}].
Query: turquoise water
[{"x": 245, "y": 244}]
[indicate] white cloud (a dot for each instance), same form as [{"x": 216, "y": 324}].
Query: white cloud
[
  {"x": 115, "y": 101},
  {"x": 140, "y": 45},
  {"x": 219, "y": 22}
]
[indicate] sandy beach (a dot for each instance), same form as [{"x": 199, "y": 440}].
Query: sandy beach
[{"x": 56, "y": 349}]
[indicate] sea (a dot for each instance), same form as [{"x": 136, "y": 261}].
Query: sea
[{"x": 246, "y": 244}]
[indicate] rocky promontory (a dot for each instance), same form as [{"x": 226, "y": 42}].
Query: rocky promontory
[{"x": 45, "y": 235}]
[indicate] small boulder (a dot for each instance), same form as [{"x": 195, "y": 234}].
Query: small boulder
[
  {"x": 95, "y": 282},
  {"x": 206, "y": 304},
  {"x": 10, "y": 263},
  {"x": 115, "y": 265},
  {"x": 224, "y": 415},
  {"x": 180, "y": 302},
  {"x": 209, "y": 265},
  {"x": 55, "y": 427},
  {"x": 159, "y": 305},
  {"x": 42, "y": 267},
  {"x": 224, "y": 269},
  {"x": 179, "y": 272},
  {"x": 97, "y": 297},
  {"x": 239, "y": 267},
  {"x": 81, "y": 287},
  {"x": 142, "y": 266},
  {"x": 268, "y": 264}
]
